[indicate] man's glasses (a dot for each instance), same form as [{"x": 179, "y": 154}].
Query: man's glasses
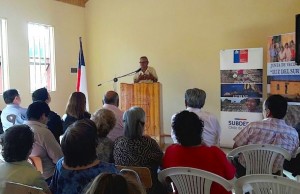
[{"x": 144, "y": 61}]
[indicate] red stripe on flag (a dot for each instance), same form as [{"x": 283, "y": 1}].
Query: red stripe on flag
[{"x": 78, "y": 79}]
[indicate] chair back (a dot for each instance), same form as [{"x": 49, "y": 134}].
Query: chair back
[
  {"x": 266, "y": 184},
  {"x": 36, "y": 162},
  {"x": 259, "y": 159},
  {"x": 192, "y": 181},
  {"x": 141, "y": 174},
  {"x": 18, "y": 188}
]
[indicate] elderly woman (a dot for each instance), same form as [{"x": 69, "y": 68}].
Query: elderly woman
[
  {"x": 190, "y": 152},
  {"x": 105, "y": 121},
  {"x": 17, "y": 142},
  {"x": 135, "y": 149},
  {"x": 109, "y": 183},
  {"x": 80, "y": 164}
]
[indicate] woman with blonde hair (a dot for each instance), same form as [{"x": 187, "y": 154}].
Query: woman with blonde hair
[
  {"x": 75, "y": 110},
  {"x": 110, "y": 183},
  {"x": 105, "y": 121}
]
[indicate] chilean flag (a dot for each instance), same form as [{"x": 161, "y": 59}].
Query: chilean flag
[
  {"x": 81, "y": 76},
  {"x": 240, "y": 56}
]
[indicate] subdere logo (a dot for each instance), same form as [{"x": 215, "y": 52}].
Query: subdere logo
[{"x": 241, "y": 122}]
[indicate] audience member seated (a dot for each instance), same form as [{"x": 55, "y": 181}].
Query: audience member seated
[
  {"x": 54, "y": 123},
  {"x": 190, "y": 152},
  {"x": 135, "y": 149},
  {"x": 45, "y": 146},
  {"x": 194, "y": 101},
  {"x": 108, "y": 183},
  {"x": 13, "y": 113},
  {"x": 17, "y": 143},
  {"x": 293, "y": 165},
  {"x": 76, "y": 110},
  {"x": 271, "y": 130},
  {"x": 111, "y": 102},
  {"x": 80, "y": 165},
  {"x": 105, "y": 121}
]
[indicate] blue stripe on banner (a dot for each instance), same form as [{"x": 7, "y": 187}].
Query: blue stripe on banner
[{"x": 236, "y": 56}]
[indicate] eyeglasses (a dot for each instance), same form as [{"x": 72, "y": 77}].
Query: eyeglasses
[{"x": 144, "y": 61}]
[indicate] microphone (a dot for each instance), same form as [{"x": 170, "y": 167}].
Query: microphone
[
  {"x": 116, "y": 78},
  {"x": 138, "y": 70}
]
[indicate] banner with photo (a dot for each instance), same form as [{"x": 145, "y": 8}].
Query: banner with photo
[
  {"x": 241, "y": 90},
  {"x": 283, "y": 75}
]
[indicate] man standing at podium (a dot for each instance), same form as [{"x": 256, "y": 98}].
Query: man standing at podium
[{"x": 147, "y": 74}]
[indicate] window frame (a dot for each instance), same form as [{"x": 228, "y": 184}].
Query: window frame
[
  {"x": 41, "y": 53},
  {"x": 4, "y": 76}
]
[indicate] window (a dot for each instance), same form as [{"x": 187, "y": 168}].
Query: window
[
  {"x": 41, "y": 56},
  {"x": 4, "y": 81}
]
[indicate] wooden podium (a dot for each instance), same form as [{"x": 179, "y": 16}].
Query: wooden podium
[{"x": 147, "y": 96}]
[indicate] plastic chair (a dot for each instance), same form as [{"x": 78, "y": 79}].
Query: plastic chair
[
  {"x": 191, "y": 180},
  {"x": 259, "y": 158},
  {"x": 18, "y": 188},
  {"x": 266, "y": 184},
  {"x": 36, "y": 162},
  {"x": 142, "y": 174}
]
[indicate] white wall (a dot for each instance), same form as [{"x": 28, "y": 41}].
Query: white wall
[
  {"x": 69, "y": 24},
  {"x": 182, "y": 40}
]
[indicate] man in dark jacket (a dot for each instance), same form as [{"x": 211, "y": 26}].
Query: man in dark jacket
[{"x": 54, "y": 123}]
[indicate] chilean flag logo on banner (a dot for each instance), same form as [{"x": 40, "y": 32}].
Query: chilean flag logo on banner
[
  {"x": 81, "y": 85},
  {"x": 240, "y": 56}
]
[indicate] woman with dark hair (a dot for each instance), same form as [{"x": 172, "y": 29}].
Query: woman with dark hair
[
  {"x": 135, "y": 149},
  {"x": 190, "y": 152},
  {"x": 109, "y": 183},
  {"x": 17, "y": 142},
  {"x": 80, "y": 164},
  {"x": 75, "y": 110}
]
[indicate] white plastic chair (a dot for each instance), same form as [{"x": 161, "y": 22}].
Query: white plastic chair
[
  {"x": 192, "y": 181},
  {"x": 259, "y": 158},
  {"x": 266, "y": 184}
]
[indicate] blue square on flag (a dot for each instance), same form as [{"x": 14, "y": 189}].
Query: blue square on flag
[{"x": 236, "y": 56}]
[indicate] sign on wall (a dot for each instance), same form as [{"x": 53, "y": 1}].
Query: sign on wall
[
  {"x": 241, "y": 90},
  {"x": 283, "y": 76}
]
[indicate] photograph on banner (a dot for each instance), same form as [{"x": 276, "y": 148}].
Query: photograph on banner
[
  {"x": 281, "y": 48},
  {"x": 286, "y": 85},
  {"x": 283, "y": 75},
  {"x": 292, "y": 116},
  {"x": 241, "y": 90},
  {"x": 241, "y": 76},
  {"x": 232, "y": 104}
]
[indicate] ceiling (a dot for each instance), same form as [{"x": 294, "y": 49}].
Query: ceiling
[{"x": 80, "y": 3}]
